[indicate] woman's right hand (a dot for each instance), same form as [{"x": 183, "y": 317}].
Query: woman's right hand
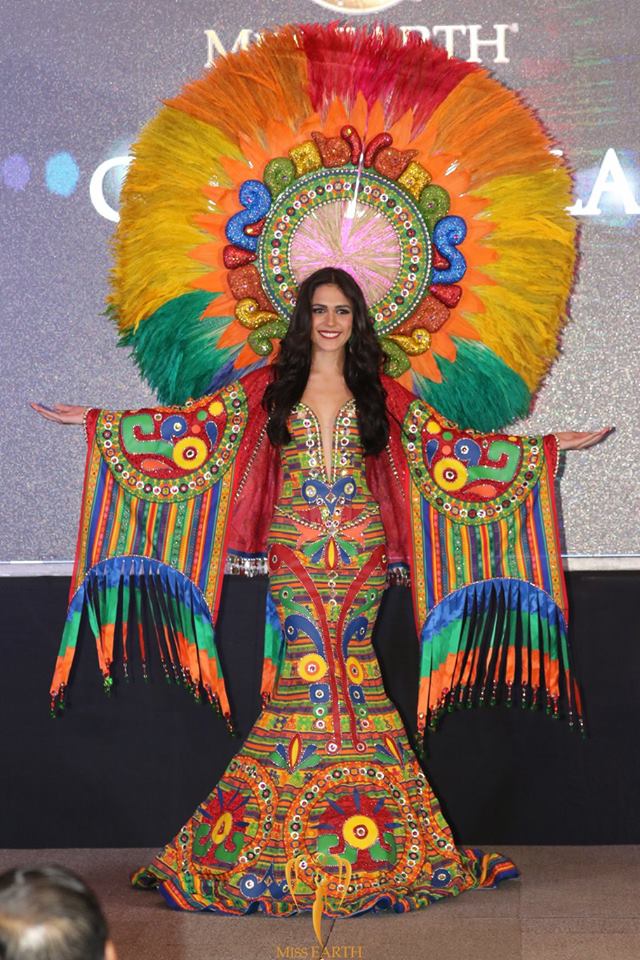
[{"x": 61, "y": 412}]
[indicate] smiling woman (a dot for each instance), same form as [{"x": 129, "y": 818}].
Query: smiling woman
[
  {"x": 331, "y": 310},
  {"x": 322, "y": 468},
  {"x": 324, "y": 473},
  {"x": 336, "y": 814},
  {"x": 330, "y": 334},
  {"x": 329, "y": 354},
  {"x": 332, "y": 317}
]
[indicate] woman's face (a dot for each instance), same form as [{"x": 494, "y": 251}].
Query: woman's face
[{"x": 331, "y": 318}]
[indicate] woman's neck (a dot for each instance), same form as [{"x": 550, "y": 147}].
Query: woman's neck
[
  {"x": 326, "y": 387},
  {"x": 327, "y": 364}
]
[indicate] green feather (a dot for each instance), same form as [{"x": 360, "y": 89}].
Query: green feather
[
  {"x": 176, "y": 348},
  {"x": 478, "y": 390}
]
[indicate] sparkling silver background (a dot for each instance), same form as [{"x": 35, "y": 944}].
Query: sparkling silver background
[{"x": 84, "y": 76}]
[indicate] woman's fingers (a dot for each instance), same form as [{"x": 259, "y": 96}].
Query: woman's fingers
[
  {"x": 47, "y": 412},
  {"x": 60, "y": 412},
  {"x": 593, "y": 437},
  {"x": 581, "y": 439}
]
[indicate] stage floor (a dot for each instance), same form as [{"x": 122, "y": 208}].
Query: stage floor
[{"x": 570, "y": 903}]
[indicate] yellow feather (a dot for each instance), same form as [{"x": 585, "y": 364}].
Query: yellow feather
[
  {"x": 533, "y": 273},
  {"x": 180, "y": 151},
  {"x": 256, "y": 104},
  {"x": 158, "y": 203}
]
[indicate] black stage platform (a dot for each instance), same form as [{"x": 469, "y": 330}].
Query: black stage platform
[{"x": 129, "y": 770}]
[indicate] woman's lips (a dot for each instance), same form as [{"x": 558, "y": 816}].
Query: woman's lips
[{"x": 329, "y": 334}]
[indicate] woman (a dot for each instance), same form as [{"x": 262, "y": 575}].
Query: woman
[{"x": 326, "y": 807}]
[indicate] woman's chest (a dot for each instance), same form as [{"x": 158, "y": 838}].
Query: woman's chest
[
  {"x": 325, "y": 508},
  {"x": 326, "y": 453}
]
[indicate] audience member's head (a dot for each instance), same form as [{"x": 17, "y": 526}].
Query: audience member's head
[{"x": 50, "y": 914}]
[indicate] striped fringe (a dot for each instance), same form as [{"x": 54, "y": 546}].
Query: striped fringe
[
  {"x": 489, "y": 639},
  {"x": 157, "y": 603}
]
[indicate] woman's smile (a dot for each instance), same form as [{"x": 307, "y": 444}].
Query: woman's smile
[{"x": 331, "y": 318}]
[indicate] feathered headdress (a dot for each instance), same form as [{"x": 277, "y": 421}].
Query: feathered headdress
[{"x": 420, "y": 174}]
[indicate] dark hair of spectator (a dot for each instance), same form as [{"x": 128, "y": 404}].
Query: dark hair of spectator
[{"x": 49, "y": 914}]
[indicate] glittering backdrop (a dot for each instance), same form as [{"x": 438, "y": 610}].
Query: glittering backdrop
[{"x": 79, "y": 78}]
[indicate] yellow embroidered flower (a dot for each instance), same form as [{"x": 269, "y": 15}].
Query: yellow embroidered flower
[
  {"x": 190, "y": 453},
  {"x": 312, "y": 667},
  {"x": 354, "y": 670},
  {"x": 222, "y": 827},
  {"x": 450, "y": 474},
  {"x": 360, "y": 831}
]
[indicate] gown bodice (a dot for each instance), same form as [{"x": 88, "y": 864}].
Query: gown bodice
[
  {"x": 305, "y": 455},
  {"x": 330, "y": 520}
]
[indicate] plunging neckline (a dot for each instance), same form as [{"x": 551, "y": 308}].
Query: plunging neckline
[{"x": 329, "y": 475}]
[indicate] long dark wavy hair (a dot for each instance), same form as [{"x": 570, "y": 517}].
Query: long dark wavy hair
[{"x": 362, "y": 364}]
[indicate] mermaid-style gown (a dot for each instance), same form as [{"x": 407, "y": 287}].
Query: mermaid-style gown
[{"x": 325, "y": 802}]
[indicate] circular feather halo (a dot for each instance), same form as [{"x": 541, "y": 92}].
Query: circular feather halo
[{"x": 427, "y": 179}]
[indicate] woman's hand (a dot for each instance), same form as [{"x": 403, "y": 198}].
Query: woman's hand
[
  {"x": 580, "y": 440},
  {"x": 61, "y": 412}
]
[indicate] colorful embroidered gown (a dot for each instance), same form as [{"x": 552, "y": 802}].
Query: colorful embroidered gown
[{"x": 325, "y": 804}]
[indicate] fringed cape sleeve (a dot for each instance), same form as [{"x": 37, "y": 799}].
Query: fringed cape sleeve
[
  {"x": 155, "y": 528},
  {"x": 483, "y": 548}
]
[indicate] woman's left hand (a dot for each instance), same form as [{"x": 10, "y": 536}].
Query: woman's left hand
[{"x": 580, "y": 440}]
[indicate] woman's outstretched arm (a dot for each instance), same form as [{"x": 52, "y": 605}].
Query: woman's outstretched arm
[
  {"x": 580, "y": 439},
  {"x": 61, "y": 412}
]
